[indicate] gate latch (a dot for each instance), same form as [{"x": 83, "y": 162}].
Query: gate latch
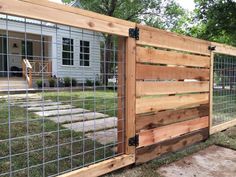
[
  {"x": 134, "y": 33},
  {"x": 211, "y": 48},
  {"x": 134, "y": 141}
]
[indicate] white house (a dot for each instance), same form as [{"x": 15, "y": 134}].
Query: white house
[{"x": 56, "y": 50}]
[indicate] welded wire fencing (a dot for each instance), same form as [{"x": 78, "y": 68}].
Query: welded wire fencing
[
  {"x": 224, "y": 89},
  {"x": 61, "y": 97}
]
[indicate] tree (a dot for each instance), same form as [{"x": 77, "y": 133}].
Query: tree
[
  {"x": 131, "y": 10},
  {"x": 172, "y": 17},
  {"x": 217, "y": 20},
  {"x": 158, "y": 13}
]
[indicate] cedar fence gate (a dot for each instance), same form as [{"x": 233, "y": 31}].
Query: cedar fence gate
[{"x": 171, "y": 91}]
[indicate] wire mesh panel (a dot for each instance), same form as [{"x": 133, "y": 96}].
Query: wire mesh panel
[
  {"x": 224, "y": 89},
  {"x": 62, "y": 97}
]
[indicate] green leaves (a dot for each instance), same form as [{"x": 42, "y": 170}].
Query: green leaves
[
  {"x": 219, "y": 18},
  {"x": 213, "y": 20}
]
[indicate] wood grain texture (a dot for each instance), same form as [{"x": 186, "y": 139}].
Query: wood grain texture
[
  {"x": 223, "y": 126},
  {"x": 79, "y": 11},
  {"x": 150, "y": 55},
  {"x": 54, "y": 15},
  {"x": 121, "y": 95},
  {"x": 130, "y": 93},
  {"x": 151, "y": 152},
  {"x": 102, "y": 168},
  {"x": 162, "y": 88},
  {"x": 145, "y": 105},
  {"x": 151, "y": 121},
  {"x": 224, "y": 49},
  {"x": 153, "y": 136},
  {"x": 163, "y": 39},
  {"x": 145, "y": 72},
  {"x": 211, "y": 85}
]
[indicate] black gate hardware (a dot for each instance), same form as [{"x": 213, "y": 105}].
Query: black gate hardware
[
  {"x": 134, "y": 141},
  {"x": 134, "y": 33}
]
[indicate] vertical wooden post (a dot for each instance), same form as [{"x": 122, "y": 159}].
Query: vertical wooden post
[
  {"x": 211, "y": 92},
  {"x": 50, "y": 68},
  {"x": 30, "y": 78},
  {"x": 130, "y": 93},
  {"x": 121, "y": 95},
  {"x": 23, "y": 69}
]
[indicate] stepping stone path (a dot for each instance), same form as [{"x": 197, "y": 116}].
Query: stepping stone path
[
  {"x": 105, "y": 136},
  {"x": 60, "y": 112},
  {"x": 77, "y": 117},
  {"x": 96, "y": 126},
  {"x": 93, "y": 125},
  {"x": 50, "y": 107}
]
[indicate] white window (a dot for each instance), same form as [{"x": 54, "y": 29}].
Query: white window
[
  {"x": 84, "y": 53},
  {"x": 67, "y": 51}
]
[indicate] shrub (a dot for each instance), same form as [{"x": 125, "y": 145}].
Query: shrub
[
  {"x": 39, "y": 83},
  {"x": 89, "y": 82},
  {"x": 52, "y": 82},
  {"x": 67, "y": 82},
  {"x": 74, "y": 82},
  {"x": 97, "y": 83}
]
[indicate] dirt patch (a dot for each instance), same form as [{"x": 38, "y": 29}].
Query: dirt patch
[{"x": 214, "y": 161}]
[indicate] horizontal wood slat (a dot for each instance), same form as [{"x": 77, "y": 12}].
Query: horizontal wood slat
[
  {"x": 224, "y": 49},
  {"x": 160, "y": 38},
  {"x": 169, "y": 73},
  {"x": 54, "y": 15},
  {"x": 103, "y": 167},
  {"x": 151, "y": 152},
  {"x": 79, "y": 11},
  {"x": 145, "y": 105},
  {"x": 145, "y": 122},
  {"x": 223, "y": 126},
  {"x": 160, "y": 88},
  {"x": 149, "y": 137},
  {"x": 149, "y": 55}
]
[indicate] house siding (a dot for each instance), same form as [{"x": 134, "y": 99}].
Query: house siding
[{"x": 80, "y": 73}]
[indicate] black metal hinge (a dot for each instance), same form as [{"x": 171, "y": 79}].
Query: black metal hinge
[
  {"x": 134, "y": 141},
  {"x": 211, "y": 48},
  {"x": 134, "y": 33}
]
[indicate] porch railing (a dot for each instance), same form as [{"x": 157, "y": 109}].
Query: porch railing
[
  {"x": 27, "y": 72},
  {"x": 41, "y": 67}
]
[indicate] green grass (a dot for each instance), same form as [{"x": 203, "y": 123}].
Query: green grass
[
  {"x": 226, "y": 139},
  {"x": 224, "y": 106},
  {"x": 99, "y": 101},
  {"x": 49, "y": 141}
]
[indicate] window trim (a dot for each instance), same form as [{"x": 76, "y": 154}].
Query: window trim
[
  {"x": 71, "y": 52},
  {"x": 85, "y": 53}
]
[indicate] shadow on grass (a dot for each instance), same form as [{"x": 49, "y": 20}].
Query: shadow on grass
[{"x": 43, "y": 145}]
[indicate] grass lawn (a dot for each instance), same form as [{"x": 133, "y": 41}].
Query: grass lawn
[
  {"x": 99, "y": 101},
  {"x": 225, "y": 139},
  {"x": 55, "y": 143},
  {"x": 224, "y": 106}
]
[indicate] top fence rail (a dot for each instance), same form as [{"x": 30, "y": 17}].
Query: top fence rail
[
  {"x": 62, "y": 14},
  {"x": 75, "y": 17}
]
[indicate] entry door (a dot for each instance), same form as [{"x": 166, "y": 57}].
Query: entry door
[
  {"x": 27, "y": 52},
  {"x": 3, "y": 56}
]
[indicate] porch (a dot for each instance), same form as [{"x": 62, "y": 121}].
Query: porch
[{"x": 24, "y": 58}]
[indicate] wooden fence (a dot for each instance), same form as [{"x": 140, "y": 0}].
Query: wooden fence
[
  {"x": 168, "y": 82},
  {"x": 172, "y": 92}
]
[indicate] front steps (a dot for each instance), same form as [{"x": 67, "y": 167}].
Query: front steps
[{"x": 13, "y": 84}]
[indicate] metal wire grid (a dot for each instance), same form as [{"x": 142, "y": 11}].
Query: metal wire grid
[
  {"x": 32, "y": 143},
  {"x": 224, "y": 91}
]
